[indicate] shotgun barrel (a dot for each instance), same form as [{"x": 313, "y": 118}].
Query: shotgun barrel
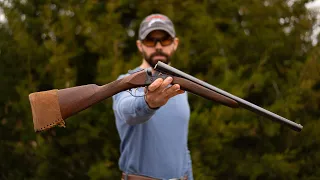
[{"x": 164, "y": 68}]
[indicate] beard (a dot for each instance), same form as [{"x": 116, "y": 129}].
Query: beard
[{"x": 152, "y": 61}]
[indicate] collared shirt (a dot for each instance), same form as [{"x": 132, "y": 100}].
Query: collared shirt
[{"x": 153, "y": 141}]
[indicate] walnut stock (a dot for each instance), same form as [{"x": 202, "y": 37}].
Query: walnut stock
[{"x": 69, "y": 101}]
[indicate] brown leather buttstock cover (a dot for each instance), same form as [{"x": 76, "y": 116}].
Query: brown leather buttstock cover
[{"x": 45, "y": 110}]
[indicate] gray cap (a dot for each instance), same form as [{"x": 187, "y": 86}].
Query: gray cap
[{"x": 156, "y": 22}]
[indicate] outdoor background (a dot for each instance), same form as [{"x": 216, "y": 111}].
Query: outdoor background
[{"x": 264, "y": 51}]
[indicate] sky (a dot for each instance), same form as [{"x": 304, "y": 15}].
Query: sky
[
  {"x": 314, "y": 4},
  {"x": 2, "y": 18}
]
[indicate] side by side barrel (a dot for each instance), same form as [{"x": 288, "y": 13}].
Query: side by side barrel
[{"x": 164, "y": 68}]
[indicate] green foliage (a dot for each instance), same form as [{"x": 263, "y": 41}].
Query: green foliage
[{"x": 257, "y": 50}]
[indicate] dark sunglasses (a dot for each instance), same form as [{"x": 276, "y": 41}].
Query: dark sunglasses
[{"x": 151, "y": 42}]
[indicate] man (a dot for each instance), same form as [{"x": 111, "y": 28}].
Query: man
[{"x": 154, "y": 128}]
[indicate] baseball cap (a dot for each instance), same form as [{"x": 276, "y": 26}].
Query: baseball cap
[{"x": 156, "y": 22}]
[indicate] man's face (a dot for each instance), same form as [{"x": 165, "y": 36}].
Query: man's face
[{"x": 158, "y": 46}]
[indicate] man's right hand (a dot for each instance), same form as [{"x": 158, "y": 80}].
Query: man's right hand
[{"x": 159, "y": 92}]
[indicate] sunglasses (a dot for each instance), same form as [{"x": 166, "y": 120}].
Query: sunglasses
[{"x": 151, "y": 42}]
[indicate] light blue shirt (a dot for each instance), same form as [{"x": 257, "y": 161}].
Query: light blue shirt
[{"x": 153, "y": 142}]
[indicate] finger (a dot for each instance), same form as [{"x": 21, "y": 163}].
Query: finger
[
  {"x": 176, "y": 93},
  {"x": 155, "y": 85},
  {"x": 180, "y": 91},
  {"x": 165, "y": 83},
  {"x": 172, "y": 89}
]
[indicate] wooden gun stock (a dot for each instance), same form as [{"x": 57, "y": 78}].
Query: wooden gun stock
[{"x": 51, "y": 108}]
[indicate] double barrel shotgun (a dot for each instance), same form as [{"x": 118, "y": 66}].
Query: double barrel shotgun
[{"x": 51, "y": 108}]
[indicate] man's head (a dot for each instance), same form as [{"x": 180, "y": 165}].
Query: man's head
[{"x": 157, "y": 39}]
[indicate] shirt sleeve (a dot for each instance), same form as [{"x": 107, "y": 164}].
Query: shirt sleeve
[{"x": 132, "y": 110}]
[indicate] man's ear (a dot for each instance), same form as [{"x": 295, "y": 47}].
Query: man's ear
[
  {"x": 175, "y": 43},
  {"x": 139, "y": 45}
]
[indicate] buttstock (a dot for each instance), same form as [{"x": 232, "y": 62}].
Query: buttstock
[{"x": 51, "y": 108}]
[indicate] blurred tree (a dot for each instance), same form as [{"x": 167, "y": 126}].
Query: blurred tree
[{"x": 257, "y": 50}]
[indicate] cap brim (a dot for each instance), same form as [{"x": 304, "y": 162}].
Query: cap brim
[{"x": 145, "y": 34}]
